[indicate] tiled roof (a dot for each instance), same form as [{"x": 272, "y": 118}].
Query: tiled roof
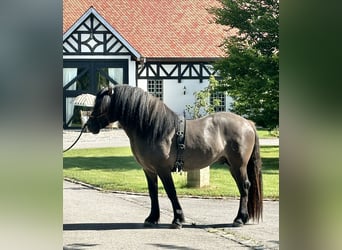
[{"x": 157, "y": 28}]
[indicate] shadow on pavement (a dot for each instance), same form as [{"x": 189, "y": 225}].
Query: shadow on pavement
[
  {"x": 122, "y": 226},
  {"x": 78, "y": 246}
]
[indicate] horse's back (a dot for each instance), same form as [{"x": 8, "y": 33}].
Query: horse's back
[
  {"x": 216, "y": 137},
  {"x": 226, "y": 124}
]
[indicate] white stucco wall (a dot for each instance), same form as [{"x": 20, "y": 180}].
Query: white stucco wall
[
  {"x": 131, "y": 73},
  {"x": 142, "y": 83},
  {"x": 174, "y": 96}
]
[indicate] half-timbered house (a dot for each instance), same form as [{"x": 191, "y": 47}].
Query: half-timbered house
[{"x": 165, "y": 47}]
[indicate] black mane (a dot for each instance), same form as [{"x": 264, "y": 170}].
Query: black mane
[{"x": 137, "y": 110}]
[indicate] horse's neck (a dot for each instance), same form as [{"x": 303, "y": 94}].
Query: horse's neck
[{"x": 129, "y": 132}]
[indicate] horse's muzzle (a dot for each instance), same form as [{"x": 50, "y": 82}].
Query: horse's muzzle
[{"x": 93, "y": 126}]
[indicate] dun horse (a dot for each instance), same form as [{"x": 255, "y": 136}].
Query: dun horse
[{"x": 162, "y": 142}]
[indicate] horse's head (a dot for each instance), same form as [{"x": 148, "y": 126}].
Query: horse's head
[{"x": 101, "y": 117}]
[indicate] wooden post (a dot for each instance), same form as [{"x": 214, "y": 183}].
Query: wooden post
[{"x": 198, "y": 178}]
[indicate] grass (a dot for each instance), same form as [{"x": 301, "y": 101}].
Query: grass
[
  {"x": 116, "y": 169},
  {"x": 262, "y": 133}
]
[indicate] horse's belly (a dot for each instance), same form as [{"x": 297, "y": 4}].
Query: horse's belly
[{"x": 196, "y": 159}]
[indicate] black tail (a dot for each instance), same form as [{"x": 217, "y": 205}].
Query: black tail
[{"x": 255, "y": 194}]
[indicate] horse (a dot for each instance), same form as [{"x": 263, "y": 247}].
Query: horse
[{"x": 152, "y": 128}]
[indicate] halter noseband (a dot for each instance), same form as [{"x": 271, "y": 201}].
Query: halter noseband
[
  {"x": 98, "y": 118},
  {"x": 100, "y": 115}
]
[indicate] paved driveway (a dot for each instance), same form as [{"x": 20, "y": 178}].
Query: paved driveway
[{"x": 94, "y": 219}]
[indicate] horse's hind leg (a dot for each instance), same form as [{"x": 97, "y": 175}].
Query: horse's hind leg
[
  {"x": 152, "y": 181},
  {"x": 170, "y": 189},
  {"x": 239, "y": 172}
]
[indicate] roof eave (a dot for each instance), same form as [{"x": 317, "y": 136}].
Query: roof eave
[{"x": 181, "y": 59}]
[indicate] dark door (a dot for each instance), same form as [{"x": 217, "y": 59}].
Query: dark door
[{"x": 88, "y": 76}]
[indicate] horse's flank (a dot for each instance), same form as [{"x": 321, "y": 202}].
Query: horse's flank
[{"x": 212, "y": 138}]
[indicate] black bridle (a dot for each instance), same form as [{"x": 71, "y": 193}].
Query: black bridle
[{"x": 99, "y": 119}]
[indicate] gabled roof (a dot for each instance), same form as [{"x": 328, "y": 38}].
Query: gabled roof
[
  {"x": 107, "y": 26},
  {"x": 155, "y": 28}
]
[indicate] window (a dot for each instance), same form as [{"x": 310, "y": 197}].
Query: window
[
  {"x": 219, "y": 97},
  {"x": 107, "y": 76},
  {"x": 155, "y": 87}
]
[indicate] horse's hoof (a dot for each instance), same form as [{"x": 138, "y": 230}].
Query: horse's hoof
[
  {"x": 177, "y": 223},
  {"x": 150, "y": 224},
  {"x": 238, "y": 223},
  {"x": 175, "y": 226}
]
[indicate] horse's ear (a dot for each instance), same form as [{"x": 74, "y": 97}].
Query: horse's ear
[{"x": 110, "y": 91}]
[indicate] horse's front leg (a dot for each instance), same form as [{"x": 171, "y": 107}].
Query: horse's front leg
[
  {"x": 170, "y": 189},
  {"x": 152, "y": 181}
]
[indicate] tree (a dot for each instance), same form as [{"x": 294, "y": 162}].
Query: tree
[
  {"x": 250, "y": 70},
  {"x": 203, "y": 104}
]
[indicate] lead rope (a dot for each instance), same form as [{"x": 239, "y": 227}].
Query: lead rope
[{"x": 83, "y": 129}]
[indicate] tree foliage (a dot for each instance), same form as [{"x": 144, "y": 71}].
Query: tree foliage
[
  {"x": 203, "y": 104},
  {"x": 250, "y": 70}
]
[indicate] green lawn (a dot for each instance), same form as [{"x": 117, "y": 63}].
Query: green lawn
[
  {"x": 116, "y": 169},
  {"x": 262, "y": 133}
]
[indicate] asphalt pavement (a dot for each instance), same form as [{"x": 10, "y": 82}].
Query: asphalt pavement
[{"x": 94, "y": 219}]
